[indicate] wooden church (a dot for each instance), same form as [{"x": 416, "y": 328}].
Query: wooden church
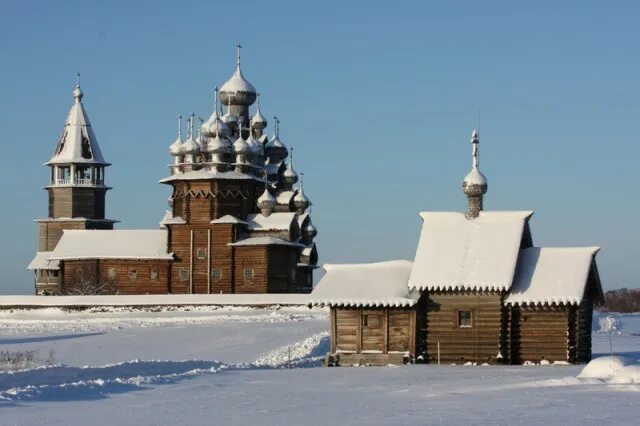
[
  {"x": 478, "y": 291},
  {"x": 238, "y": 221}
]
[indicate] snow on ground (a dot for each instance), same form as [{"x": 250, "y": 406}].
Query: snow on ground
[{"x": 239, "y": 366}]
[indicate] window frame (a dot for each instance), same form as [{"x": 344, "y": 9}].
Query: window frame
[
  {"x": 216, "y": 273},
  {"x": 203, "y": 251},
  {"x": 132, "y": 273},
  {"x": 183, "y": 274},
  {"x": 459, "y": 320},
  {"x": 248, "y": 273},
  {"x": 112, "y": 273},
  {"x": 154, "y": 274}
]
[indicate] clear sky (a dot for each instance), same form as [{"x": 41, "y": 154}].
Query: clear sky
[{"x": 379, "y": 100}]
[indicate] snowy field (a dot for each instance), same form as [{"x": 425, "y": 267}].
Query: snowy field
[{"x": 227, "y": 366}]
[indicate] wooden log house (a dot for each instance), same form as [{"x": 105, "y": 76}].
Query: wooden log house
[
  {"x": 238, "y": 219},
  {"x": 477, "y": 292}
]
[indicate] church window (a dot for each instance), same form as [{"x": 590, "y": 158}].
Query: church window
[
  {"x": 201, "y": 253},
  {"x": 216, "y": 274},
  {"x": 153, "y": 274},
  {"x": 133, "y": 274},
  {"x": 465, "y": 319},
  {"x": 183, "y": 274},
  {"x": 248, "y": 273}
]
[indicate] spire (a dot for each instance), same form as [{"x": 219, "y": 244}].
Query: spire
[
  {"x": 475, "y": 183},
  {"x": 78, "y": 143},
  {"x": 77, "y": 92},
  {"x": 179, "y": 126},
  {"x": 190, "y": 130},
  {"x": 238, "y": 46},
  {"x": 276, "y": 125},
  {"x": 215, "y": 99}
]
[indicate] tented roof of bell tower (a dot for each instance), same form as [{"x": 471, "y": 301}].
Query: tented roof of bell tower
[{"x": 78, "y": 143}]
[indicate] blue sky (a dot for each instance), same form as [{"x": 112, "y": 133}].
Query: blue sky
[{"x": 379, "y": 101}]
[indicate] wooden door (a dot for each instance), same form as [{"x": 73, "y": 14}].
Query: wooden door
[{"x": 373, "y": 331}]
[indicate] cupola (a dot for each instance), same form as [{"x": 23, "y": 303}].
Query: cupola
[{"x": 474, "y": 184}]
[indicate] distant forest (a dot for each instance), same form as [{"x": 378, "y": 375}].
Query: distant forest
[{"x": 622, "y": 300}]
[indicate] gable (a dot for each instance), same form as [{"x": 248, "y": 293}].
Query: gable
[{"x": 455, "y": 253}]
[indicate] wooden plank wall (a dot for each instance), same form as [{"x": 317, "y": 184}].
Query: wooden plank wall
[
  {"x": 143, "y": 284},
  {"x": 252, "y": 257},
  {"x": 380, "y": 330},
  {"x": 539, "y": 332},
  {"x": 222, "y": 257},
  {"x": 479, "y": 343},
  {"x": 282, "y": 264}
]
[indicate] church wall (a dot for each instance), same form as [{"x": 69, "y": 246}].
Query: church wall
[
  {"x": 462, "y": 338},
  {"x": 282, "y": 261},
  {"x": 542, "y": 332},
  {"x": 372, "y": 336},
  {"x": 253, "y": 258},
  {"x": 222, "y": 257}
]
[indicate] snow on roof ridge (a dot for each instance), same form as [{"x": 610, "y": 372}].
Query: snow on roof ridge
[
  {"x": 227, "y": 218},
  {"x": 259, "y": 241},
  {"x": 277, "y": 221}
]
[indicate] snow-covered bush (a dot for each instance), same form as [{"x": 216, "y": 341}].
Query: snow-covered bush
[{"x": 604, "y": 368}]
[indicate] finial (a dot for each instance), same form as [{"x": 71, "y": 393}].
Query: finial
[
  {"x": 276, "y": 125},
  {"x": 240, "y": 121},
  {"x": 191, "y": 117},
  {"x": 258, "y": 99},
  {"x": 77, "y": 92},
  {"x": 78, "y": 80},
  {"x": 238, "y": 46},
  {"x": 201, "y": 120},
  {"x": 475, "y": 140},
  {"x": 291, "y": 157},
  {"x": 215, "y": 99},
  {"x": 179, "y": 126}
]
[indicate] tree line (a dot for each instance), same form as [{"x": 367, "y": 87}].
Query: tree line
[{"x": 622, "y": 300}]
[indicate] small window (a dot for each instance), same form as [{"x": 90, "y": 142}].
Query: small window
[
  {"x": 133, "y": 274},
  {"x": 153, "y": 274},
  {"x": 216, "y": 274},
  {"x": 54, "y": 273},
  {"x": 371, "y": 320},
  {"x": 464, "y": 319},
  {"x": 112, "y": 273},
  {"x": 201, "y": 254},
  {"x": 183, "y": 274},
  {"x": 248, "y": 273}
]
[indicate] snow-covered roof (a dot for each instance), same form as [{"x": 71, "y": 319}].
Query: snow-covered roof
[
  {"x": 264, "y": 241},
  {"x": 273, "y": 222},
  {"x": 475, "y": 177},
  {"x": 78, "y": 143},
  {"x": 237, "y": 83},
  {"x": 302, "y": 218},
  {"x": 474, "y": 254},
  {"x": 169, "y": 219},
  {"x": 551, "y": 275},
  {"x": 205, "y": 174},
  {"x": 112, "y": 244},
  {"x": 229, "y": 219},
  {"x": 365, "y": 285},
  {"x": 274, "y": 168},
  {"x": 41, "y": 261},
  {"x": 284, "y": 198}
]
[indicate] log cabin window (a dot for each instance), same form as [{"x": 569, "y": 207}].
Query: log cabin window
[
  {"x": 216, "y": 274},
  {"x": 248, "y": 273},
  {"x": 465, "y": 319},
  {"x": 133, "y": 274},
  {"x": 201, "y": 253},
  {"x": 153, "y": 274},
  {"x": 112, "y": 273},
  {"x": 53, "y": 273},
  {"x": 183, "y": 274},
  {"x": 371, "y": 320}
]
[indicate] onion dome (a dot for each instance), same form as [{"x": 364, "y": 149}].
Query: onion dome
[
  {"x": 258, "y": 121},
  {"x": 290, "y": 176},
  {"x": 237, "y": 90},
  {"x": 214, "y": 125},
  {"x": 309, "y": 232},
  {"x": 266, "y": 202},
  {"x": 301, "y": 201},
  {"x": 240, "y": 146},
  {"x": 474, "y": 184},
  {"x": 229, "y": 118},
  {"x": 191, "y": 147},
  {"x": 274, "y": 148},
  {"x": 257, "y": 150},
  {"x": 175, "y": 149},
  {"x": 219, "y": 145}
]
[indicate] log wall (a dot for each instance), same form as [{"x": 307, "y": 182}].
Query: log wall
[
  {"x": 379, "y": 333},
  {"x": 540, "y": 332},
  {"x": 479, "y": 343}
]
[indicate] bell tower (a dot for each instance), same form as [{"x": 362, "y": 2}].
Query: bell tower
[{"x": 76, "y": 187}]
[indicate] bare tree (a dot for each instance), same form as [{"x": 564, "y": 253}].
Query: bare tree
[
  {"x": 91, "y": 287},
  {"x": 622, "y": 300}
]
